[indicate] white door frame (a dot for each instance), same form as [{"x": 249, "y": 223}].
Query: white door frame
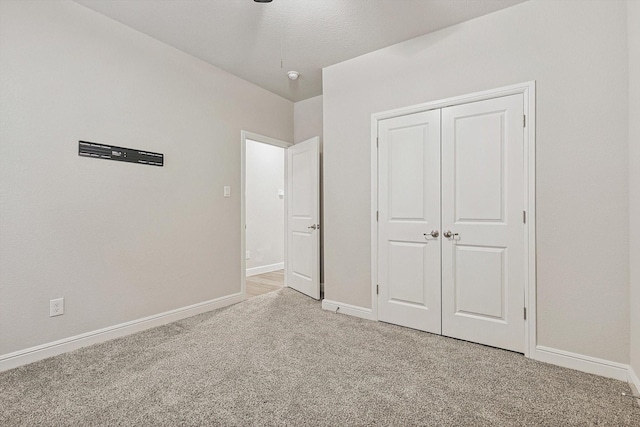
[
  {"x": 527, "y": 89},
  {"x": 244, "y": 135}
]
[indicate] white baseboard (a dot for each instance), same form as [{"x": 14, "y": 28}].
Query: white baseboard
[
  {"x": 265, "y": 269},
  {"x": 351, "y": 310},
  {"x": 33, "y": 354},
  {"x": 634, "y": 380},
  {"x": 580, "y": 362}
]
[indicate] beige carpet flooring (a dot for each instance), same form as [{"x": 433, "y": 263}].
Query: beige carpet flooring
[{"x": 279, "y": 359}]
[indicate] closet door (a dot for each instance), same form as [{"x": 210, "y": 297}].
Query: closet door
[
  {"x": 483, "y": 257},
  {"x": 409, "y": 221}
]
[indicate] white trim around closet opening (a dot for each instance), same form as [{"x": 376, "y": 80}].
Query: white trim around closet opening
[{"x": 527, "y": 89}]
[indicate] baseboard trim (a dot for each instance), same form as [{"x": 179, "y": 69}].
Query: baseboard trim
[
  {"x": 351, "y": 310},
  {"x": 634, "y": 380},
  {"x": 580, "y": 362},
  {"x": 33, "y": 354},
  {"x": 265, "y": 269}
]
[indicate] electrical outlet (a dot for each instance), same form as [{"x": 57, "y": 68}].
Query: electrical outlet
[
  {"x": 56, "y": 307},
  {"x": 247, "y": 255},
  {"x": 227, "y": 191}
]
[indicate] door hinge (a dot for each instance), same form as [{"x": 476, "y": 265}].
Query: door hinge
[
  {"x": 524, "y": 217},
  {"x": 377, "y": 216},
  {"x": 377, "y": 289},
  {"x": 524, "y": 121},
  {"x": 377, "y": 142},
  {"x": 525, "y": 313}
]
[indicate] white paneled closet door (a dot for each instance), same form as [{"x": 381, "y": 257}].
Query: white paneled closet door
[
  {"x": 409, "y": 221},
  {"x": 483, "y": 245},
  {"x": 451, "y": 235}
]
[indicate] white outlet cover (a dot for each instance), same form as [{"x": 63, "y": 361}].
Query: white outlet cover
[
  {"x": 227, "y": 191},
  {"x": 248, "y": 255},
  {"x": 56, "y": 307}
]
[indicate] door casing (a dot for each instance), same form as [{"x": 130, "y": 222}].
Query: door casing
[{"x": 527, "y": 89}]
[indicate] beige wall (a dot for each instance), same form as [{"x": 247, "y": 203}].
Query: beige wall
[
  {"x": 633, "y": 20},
  {"x": 265, "y": 208},
  {"x": 307, "y": 119},
  {"x": 307, "y": 123},
  {"x": 118, "y": 241},
  {"x": 576, "y": 51}
]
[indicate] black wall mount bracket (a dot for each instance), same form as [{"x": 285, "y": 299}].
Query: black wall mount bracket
[{"x": 97, "y": 150}]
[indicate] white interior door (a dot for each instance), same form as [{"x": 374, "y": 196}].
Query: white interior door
[
  {"x": 483, "y": 195},
  {"x": 409, "y": 221},
  {"x": 303, "y": 213}
]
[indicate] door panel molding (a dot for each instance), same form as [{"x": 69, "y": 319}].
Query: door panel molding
[
  {"x": 465, "y": 303},
  {"x": 527, "y": 90}
]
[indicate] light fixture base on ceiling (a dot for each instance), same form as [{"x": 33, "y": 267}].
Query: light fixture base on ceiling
[{"x": 293, "y": 75}]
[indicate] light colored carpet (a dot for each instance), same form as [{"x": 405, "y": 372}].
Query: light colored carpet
[{"x": 279, "y": 359}]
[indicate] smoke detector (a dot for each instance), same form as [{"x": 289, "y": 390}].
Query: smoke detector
[{"x": 293, "y": 75}]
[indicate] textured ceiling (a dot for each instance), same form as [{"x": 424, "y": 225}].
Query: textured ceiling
[{"x": 249, "y": 39}]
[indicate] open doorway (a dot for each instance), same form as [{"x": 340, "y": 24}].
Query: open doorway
[
  {"x": 264, "y": 212},
  {"x": 301, "y": 202},
  {"x": 265, "y": 217}
]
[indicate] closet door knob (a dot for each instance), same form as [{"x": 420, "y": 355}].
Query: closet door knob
[
  {"x": 448, "y": 234},
  {"x": 434, "y": 234}
]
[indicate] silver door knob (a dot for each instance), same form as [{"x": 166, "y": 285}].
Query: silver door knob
[
  {"x": 448, "y": 234},
  {"x": 313, "y": 227},
  {"x": 434, "y": 234}
]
